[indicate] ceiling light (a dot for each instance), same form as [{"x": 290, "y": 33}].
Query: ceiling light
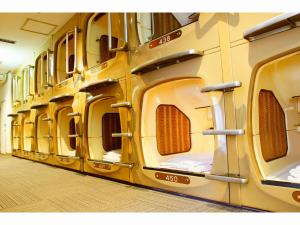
[{"x": 38, "y": 27}]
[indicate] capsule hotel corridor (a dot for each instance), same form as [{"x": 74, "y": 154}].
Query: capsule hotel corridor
[
  {"x": 35, "y": 187},
  {"x": 150, "y": 112}
]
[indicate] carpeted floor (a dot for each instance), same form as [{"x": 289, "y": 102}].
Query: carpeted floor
[{"x": 27, "y": 186}]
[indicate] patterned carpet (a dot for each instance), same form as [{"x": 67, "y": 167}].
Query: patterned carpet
[{"x": 27, "y": 186}]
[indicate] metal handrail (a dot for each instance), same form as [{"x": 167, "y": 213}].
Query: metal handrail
[
  {"x": 125, "y": 46},
  {"x": 75, "y": 31},
  {"x": 48, "y": 84},
  {"x": 73, "y": 114},
  {"x": 29, "y": 88},
  {"x": 121, "y": 104},
  {"x": 121, "y": 164},
  {"x": 29, "y": 137},
  {"x": 28, "y": 67},
  {"x": 152, "y": 23},
  {"x": 226, "y": 178},
  {"x": 224, "y": 132},
  {"x": 47, "y": 119},
  {"x": 74, "y": 135},
  {"x": 128, "y": 134}
]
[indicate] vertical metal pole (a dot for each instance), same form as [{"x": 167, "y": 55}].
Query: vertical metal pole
[
  {"x": 152, "y": 23},
  {"x": 75, "y": 49},
  {"x": 47, "y": 77},
  {"x": 109, "y": 32},
  {"x": 42, "y": 70},
  {"x": 125, "y": 28},
  {"x": 67, "y": 52}
]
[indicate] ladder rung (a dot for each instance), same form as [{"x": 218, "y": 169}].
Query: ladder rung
[
  {"x": 121, "y": 164},
  {"x": 223, "y": 132},
  {"x": 74, "y": 135},
  {"x": 29, "y": 122},
  {"x": 47, "y": 119},
  {"x": 129, "y": 135},
  {"x": 222, "y": 87},
  {"x": 121, "y": 104},
  {"x": 47, "y": 85},
  {"x": 74, "y": 114},
  {"x": 226, "y": 178},
  {"x": 29, "y": 137},
  {"x": 47, "y": 136}
]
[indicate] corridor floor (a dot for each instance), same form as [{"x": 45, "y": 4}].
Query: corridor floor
[{"x": 27, "y": 186}]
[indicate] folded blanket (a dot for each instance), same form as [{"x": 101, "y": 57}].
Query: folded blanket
[
  {"x": 293, "y": 179},
  {"x": 295, "y": 173},
  {"x": 186, "y": 166},
  {"x": 112, "y": 156}
]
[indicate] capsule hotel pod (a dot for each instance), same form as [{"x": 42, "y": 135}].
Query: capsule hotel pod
[{"x": 198, "y": 104}]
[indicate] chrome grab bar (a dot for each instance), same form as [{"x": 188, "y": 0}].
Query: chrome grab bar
[
  {"x": 48, "y": 84},
  {"x": 29, "y": 73},
  {"x": 222, "y": 87},
  {"x": 67, "y": 157},
  {"x": 152, "y": 25},
  {"x": 121, "y": 164},
  {"x": 29, "y": 137},
  {"x": 123, "y": 48},
  {"x": 74, "y": 135},
  {"x": 224, "y": 132},
  {"x": 73, "y": 114},
  {"x": 42, "y": 69},
  {"x": 75, "y": 31},
  {"x": 48, "y": 136},
  {"x": 47, "y": 119},
  {"x": 129, "y": 135},
  {"x": 224, "y": 178},
  {"x": 121, "y": 104}
]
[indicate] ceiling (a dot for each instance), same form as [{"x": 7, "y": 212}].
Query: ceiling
[{"x": 30, "y": 31}]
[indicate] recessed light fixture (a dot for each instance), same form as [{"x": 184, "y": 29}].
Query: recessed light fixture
[
  {"x": 7, "y": 41},
  {"x": 38, "y": 27}
]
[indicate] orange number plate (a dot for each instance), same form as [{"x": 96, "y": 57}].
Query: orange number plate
[
  {"x": 165, "y": 39},
  {"x": 172, "y": 178}
]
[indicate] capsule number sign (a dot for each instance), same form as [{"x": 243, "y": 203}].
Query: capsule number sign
[
  {"x": 172, "y": 178},
  {"x": 102, "y": 166},
  {"x": 165, "y": 39}
]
